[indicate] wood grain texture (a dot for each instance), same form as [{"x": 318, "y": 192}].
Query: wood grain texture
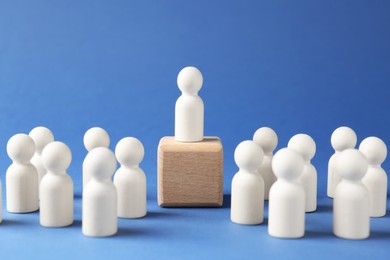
[{"x": 190, "y": 174}]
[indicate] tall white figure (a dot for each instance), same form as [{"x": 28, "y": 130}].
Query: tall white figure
[
  {"x": 189, "y": 109},
  {"x": 41, "y": 136},
  {"x": 247, "y": 201},
  {"x": 130, "y": 179},
  {"x": 343, "y": 138},
  {"x": 21, "y": 177},
  {"x": 268, "y": 140},
  {"x": 306, "y": 147},
  {"x": 375, "y": 180},
  {"x": 351, "y": 206},
  {"x": 100, "y": 195},
  {"x": 93, "y": 138},
  {"x": 286, "y": 213},
  {"x": 56, "y": 188}
]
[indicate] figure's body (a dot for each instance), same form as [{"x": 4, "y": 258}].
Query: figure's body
[
  {"x": 268, "y": 140},
  {"x": 189, "y": 109},
  {"x": 100, "y": 195},
  {"x": 306, "y": 147},
  {"x": 95, "y": 137},
  {"x": 130, "y": 179},
  {"x": 56, "y": 188},
  {"x": 247, "y": 199},
  {"x": 286, "y": 212},
  {"x": 41, "y": 136},
  {"x": 351, "y": 207},
  {"x": 342, "y": 138},
  {"x": 22, "y": 176},
  {"x": 375, "y": 180}
]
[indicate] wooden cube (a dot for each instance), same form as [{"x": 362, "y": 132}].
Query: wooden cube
[{"x": 190, "y": 174}]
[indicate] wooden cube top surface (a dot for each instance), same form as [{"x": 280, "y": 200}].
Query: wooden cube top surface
[{"x": 208, "y": 144}]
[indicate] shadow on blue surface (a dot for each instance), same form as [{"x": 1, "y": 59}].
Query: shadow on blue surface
[
  {"x": 379, "y": 235},
  {"x": 324, "y": 208},
  {"x": 226, "y": 201}
]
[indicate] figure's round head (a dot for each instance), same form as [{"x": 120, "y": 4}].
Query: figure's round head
[
  {"x": 96, "y": 137},
  {"x": 100, "y": 163},
  {"x": 56, "y": 157},
  {"x": 190, "y": 80},
  {"x": 41, "y": 136},
  {"x": 266, "y": 138},
  {"x": 343, "y": 138},
  {"x": 287, "y": 164},
  {"x": 21, "y": 148},
  {"x": 351, "y": 164},
  {"x": 129, "y": 151},
  {"x": 374, "y": 149},
  {"x": 304, "y": 145},
  {"x": 248, "y": 156}
]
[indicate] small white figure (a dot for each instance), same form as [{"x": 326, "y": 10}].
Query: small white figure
[
  {"x": 93, "y": 138},
  {"x": 189, "y": 109},
  {"x": 286, "y": 212},
  {"x": 56, "y": 188},
  {"x": 351, "y": 206},
  {"x": 375, "y": 180},
  {"x": 306, "y": 147},
  {"x": 21, "y": 177},
  {"x": 130, "y": 179},
  {"x": 100, "y": 196},
  {"x": 343, "y": 138},
  {"x": 268, "y": 140},
  {"x": 41, "y": 136},
  {"x": 247, "y": 201}
]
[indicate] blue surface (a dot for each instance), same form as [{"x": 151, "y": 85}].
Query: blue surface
[{"x": 296, "y": 66}]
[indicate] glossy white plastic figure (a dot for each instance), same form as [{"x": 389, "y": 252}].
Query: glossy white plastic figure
[
  {"x": 100, "y": 195},
  {"x": 286, "y": 213},
  {"x": 93, "y": 138},
  {"x": 189, "y": 109},
  {"x": 21, "y": 177},
  {"x": 130, "y": 179},
  {"x": 375, "y": 180},
  {"x": 268, "y": 140},
  {"x": 343, "y": 138},
  {"x": 306, "y": 147},
  {"x": 56, "y": 188},
  {"x": 41, "y": 136},
  {"x": 351, "y": 207},
  {"x": 247, "y": 202}
]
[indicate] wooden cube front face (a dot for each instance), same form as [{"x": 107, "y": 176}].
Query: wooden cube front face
[{"x": 190, "y": 174}]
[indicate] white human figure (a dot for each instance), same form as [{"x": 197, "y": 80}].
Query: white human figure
[
  {"x": 93, "y": 138},
  {"x": 130, "y": 179},
  {"x": 247, "y": 198},
  {"x": 306, "y": 147},
  {"x": 56, "y": 188},
  {"x": 351, "y": 205},
  {"x": 21, "y": 177},
  {"x": 375, "y": 180},
  {"x": 268, "y": 140},
  {"x": 99, "y": 216},
  {"x": 189, "y": 109},
  {"x": 286, "y": 212},
  {"x": 41, "y": 136},
  {"x": 343, "y": 138}
]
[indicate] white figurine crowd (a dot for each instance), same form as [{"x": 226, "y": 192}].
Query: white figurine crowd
[
  {"x": 356, "y": 182},
  {"x": 38, "y": 179}
]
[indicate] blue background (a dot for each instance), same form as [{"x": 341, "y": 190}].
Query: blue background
[{"x": 296, "y": 66}]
